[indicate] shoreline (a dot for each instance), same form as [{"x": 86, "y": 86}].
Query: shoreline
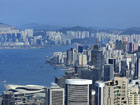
[
  {"x": 8, "y": 48},
  {"x": 29, "y": 47},
  {"x": 63, "y": 67}
]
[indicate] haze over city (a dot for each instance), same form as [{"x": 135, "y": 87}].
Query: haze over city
[
  {"x": 69, "y": 52},
  {"x": 101, "y": 13}
]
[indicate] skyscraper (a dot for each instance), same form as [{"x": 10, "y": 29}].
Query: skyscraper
[
  {"x": 108, "y": 72},
  {"x": 75, "y": 57},
  {"x": 55, "y": 96},
  {"x": 80, "y": 49},
  {"x": 113, "y": 62},
  {"x": 137, "y": 69},
  {"x": 8, "y": 98},
  {"x": 96, "y": 75},
  {"x": 82, "y": 59},
  {"x": 115, "y": 91},
  {"x": 99, "y": 97},
  {"x": 124, "y": 68},
  {"x": 133, "y": 95},
  {"x": 97, "y": 58},
  {"x": 93, "y": 97},
  {"x": 78, "y": 92},
  {"x": 70, "y": 56}
]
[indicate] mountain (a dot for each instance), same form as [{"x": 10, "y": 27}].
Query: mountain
[
  {"x": 130, "y": 31},
  {"x": 90, "y": 29},
  {"x": 77, "y": 28},
  {"x": 6, "y": 27},
  {"x": 37, "y": 26},
  {"x": 40, "y": 27},
  {"x": 2, "y": 25}
]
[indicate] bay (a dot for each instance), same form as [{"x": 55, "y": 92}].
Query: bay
[{"x": 27, "y": 66}]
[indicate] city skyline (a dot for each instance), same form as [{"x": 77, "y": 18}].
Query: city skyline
[
  {"x": 74, "y": 52},
  {"x": 113, "y": 14}
]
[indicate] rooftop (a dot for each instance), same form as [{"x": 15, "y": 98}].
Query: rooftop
[{"x": 78, "y": 81}]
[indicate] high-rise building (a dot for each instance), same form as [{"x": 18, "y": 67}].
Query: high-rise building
[
  {"x": 133, "y": 95},
  {"x": 80, "y": 49},
  {"x": 97, "y": 59},
  {"x": 131, "y": 47},
  {"x": 29, "y": 32},
  {"x": 8, "y": 98},
  {"x": 108, "y": 72},
  {"x": 55, "y": 96},
  {"x": 115, "y": 91},
  {"x": 82, "y": 59},
  {"x": 78, "y": 92},
  {"x": 119, "y": 45},
  {"x": 99, "y": 97},
  {"x": 124, "y": 68},
  {"x": 137, "y": 69},
  {"x": 96, "y": 75},
  {"x": 93, "y": 97},
  {"x": 113, "y": 62},
  {"x": 109, "y": 92},
  {"x": 70, "y": 56},
  {"x": 75, "y": 57}
]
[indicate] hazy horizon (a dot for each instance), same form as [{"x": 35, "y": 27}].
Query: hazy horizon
[{"x": 93, "y": 13}]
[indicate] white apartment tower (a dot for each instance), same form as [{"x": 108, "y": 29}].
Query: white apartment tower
[
  {"x": 78, "y": 92},
  {"x": 99, "y": 96},
  {"x": 55, "y": 96},
  {"x": 82, "y": 59}
]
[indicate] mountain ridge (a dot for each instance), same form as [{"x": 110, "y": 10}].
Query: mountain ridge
[{"x": 45, "y": 27}]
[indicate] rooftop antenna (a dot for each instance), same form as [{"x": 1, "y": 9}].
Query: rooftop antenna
[{"x": 97, "y": 39}]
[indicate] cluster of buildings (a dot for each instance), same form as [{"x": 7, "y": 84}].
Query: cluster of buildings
[
  {"x": 107, "y": 74},
  {"x": 114, "y": 69},
  {"x": 77, "y": 92},
  {"x": 10, "y": 36},
  {"x": 119, "y": 91},
  {"x": 58, "y": 37},
  {"x": 102, "y": 74},
  {"x": 104, "y": 37},
  {"x": 71, "y": 57},
  {"x": 66, "y": 38},
  {"x": 13, "y": 37}
]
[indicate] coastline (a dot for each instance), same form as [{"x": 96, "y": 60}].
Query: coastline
[
  {"x": 3, "y": 48},
  {"x": 63, "y": 67},
  {"x": 29, "y": 47},
  {"x": 18, "y": 65}
]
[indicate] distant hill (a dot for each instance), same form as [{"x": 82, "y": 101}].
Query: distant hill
[
  {"x": 2, "y": 25},
  {"x": 78, "y": 28},
  {"x": 40, "y": 27},
  {"x": 36, "y": 26},
  {"x": 6, "y": 27},
  {"x": 130, "y": 31},
  {"x": 90, "y": 29}
]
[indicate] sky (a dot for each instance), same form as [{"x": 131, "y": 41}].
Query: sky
[{"x": 101, "y": 13}]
